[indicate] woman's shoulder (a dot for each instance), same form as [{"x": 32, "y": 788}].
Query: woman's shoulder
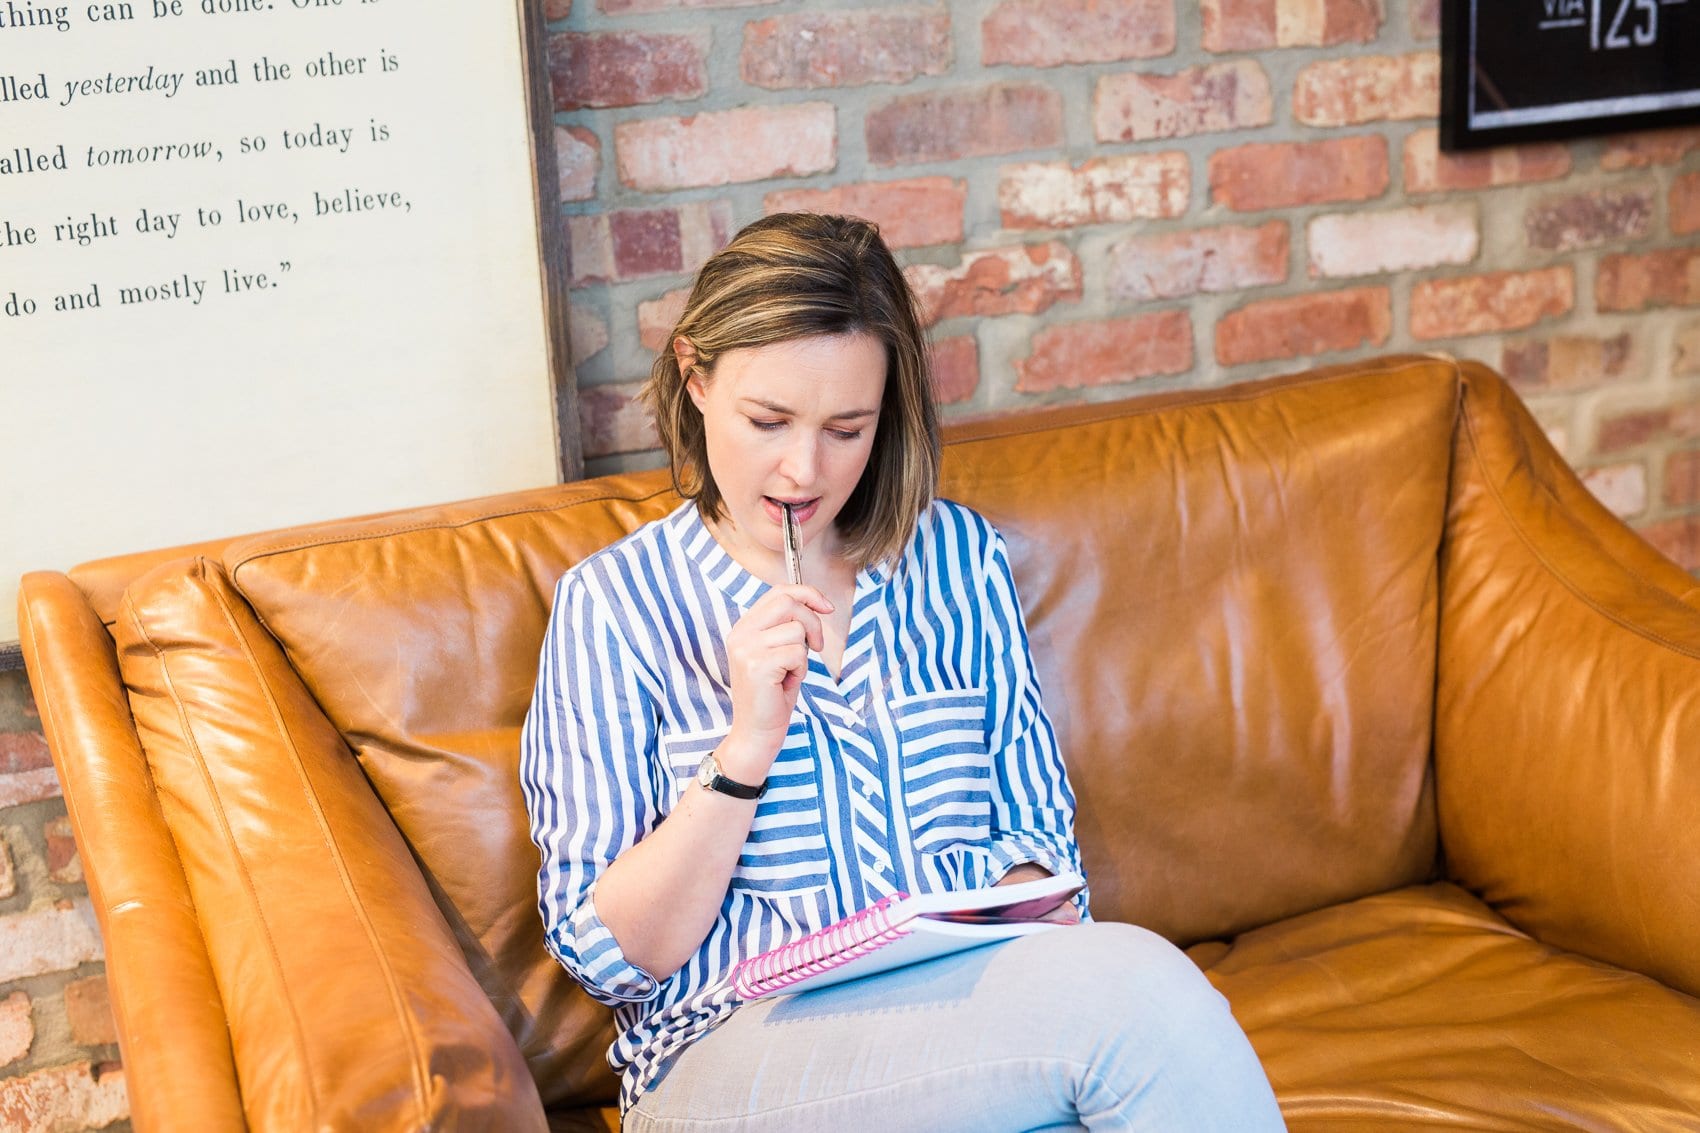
[
  {"x": 959, "y": 518},
  {"x": 948, "y": 529}
]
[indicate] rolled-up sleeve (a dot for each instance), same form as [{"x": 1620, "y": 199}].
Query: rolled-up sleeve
[
  {"x": 1032, "y": 800},
  {"x": 586, "y": 774}
]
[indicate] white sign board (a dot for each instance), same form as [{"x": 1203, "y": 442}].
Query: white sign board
[{"x": 261, "y": 262}]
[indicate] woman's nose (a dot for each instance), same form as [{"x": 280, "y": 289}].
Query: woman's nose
[{"x": 798, "y": 466}]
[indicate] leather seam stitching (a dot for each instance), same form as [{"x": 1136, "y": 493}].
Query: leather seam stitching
[
  {"x": 1551, "y": 569},
  {"x": 407, "y": 528}
]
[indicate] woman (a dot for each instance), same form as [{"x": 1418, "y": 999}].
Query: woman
[{"x": 718, "y": 761}]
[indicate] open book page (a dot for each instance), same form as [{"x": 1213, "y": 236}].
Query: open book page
[{"x": 904, "y": 930}]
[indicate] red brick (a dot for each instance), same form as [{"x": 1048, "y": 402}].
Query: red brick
[
  {"x": 1637, "y": 427},
  {"x": 1135, "y": 107},
  {"x": 607, "y": 69},
  {"x": 587, "y": 331},
  {"x": 1621, "y": 487},
  {"x": 1652, "y": 147},
  {"x": 1570, "y": 361},
  {"x": 63, "y": 863},
  {"x": 1428, "y": 170},
  {"x": 47, "y": 940},
  {"x": 658, "y": 317},
  {"x": 626, "y": 7},
  {"x": 956, "y": 369},
  {"x": 845, "y": 49},
  {"x": 1368, "y": 88},
  {"x": 1305, "y": 325},
  {"x": 1678, "y": 539},
  {"x": 1004, "y": 281},
  {"x": 1077, "y": 355},
  {"x": 78, "y": 1096},
  {"x": 1687, "y": 360},
  {"x": 26, "y": 769},
  {"x": 17, "y": 1028},
  {"x": 1632, "y": 281},
  {"x": 1682, "y": 478},
  {"x": 1252, "y": 25},
  {"x": 578, "y": 156},
  {"x": 1054, "y": 33},
  {"x": 974, "y": 122},
  {"x": 754, "y": 143},
  {"x": 1369, "y": 243},
  {"x": 554, "y": 10},
  {"x": 1585, "y": 220},
  {"x": 1484, "y": 304},
  {"x": 1425, "y": 19},
  {"x": 1105, "y": 190},
  {"x": 23, "y": 751},
  {"x": 89, "y": 1007},
  {"x": 1685, "y": 204},
  {"x": 1287, "y": 174},
  {"x": 614, "y": 420},
  {"x": 634, "y": 243},
  {"x": 1175, "y": 264},
  {"x": 910, "y": 214}
]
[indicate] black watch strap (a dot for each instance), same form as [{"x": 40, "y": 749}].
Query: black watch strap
[{"x": 710, "y": 777}]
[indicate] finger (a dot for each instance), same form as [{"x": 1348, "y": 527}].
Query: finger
[{"x": 808, "y": 596}]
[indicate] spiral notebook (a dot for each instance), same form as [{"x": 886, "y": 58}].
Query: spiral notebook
[{"x": 902, "y": 930}]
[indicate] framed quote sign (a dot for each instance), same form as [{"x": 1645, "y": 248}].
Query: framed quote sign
[
  {"x": 1525, "y": 70},
  {"x": 265, "y": 262}
]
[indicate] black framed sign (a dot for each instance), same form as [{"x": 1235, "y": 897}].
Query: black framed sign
[{"x": 1526, "y": 70}]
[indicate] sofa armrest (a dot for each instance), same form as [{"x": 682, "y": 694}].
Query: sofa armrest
[
  {"x": 177, "y": 1060},
  {"x": 1567, "y": 731}
]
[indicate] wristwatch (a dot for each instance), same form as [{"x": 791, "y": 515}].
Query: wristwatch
[{"x": 708, "y": 774}]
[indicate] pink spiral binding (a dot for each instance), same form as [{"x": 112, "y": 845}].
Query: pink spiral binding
[{"x": 833, "y": 946}]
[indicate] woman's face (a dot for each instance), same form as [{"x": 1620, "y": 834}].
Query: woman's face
[{"x": 789, "y": 423}]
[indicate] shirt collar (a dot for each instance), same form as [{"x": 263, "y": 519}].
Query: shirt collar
[{"x": 698, "y": 544}]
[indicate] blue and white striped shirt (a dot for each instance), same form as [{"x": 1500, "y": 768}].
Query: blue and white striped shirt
[{"x": 929, "y": 764}]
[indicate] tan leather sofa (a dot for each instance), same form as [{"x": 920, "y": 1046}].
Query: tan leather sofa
[{"x": 1366, "y": 701}]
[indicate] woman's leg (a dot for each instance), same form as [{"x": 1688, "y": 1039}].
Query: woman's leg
[{"x": 1105, "y": 1026}]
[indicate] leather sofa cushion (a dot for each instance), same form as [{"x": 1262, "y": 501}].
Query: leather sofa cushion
[
  {"x": 1565, "y": 749},
  {"x": 1422, "y": 1008},
  {"x": 419, "y": 635},
  {"x": 303, "y": 886},
  {"x": 1232, "y": 597}
]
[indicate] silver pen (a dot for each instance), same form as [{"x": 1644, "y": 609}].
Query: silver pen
[{"x": 793, "y": 553}]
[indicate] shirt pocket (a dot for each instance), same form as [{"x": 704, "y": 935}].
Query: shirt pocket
[
  {"x": 947, "y": 769},
  {"x": 785, "y": 853}
]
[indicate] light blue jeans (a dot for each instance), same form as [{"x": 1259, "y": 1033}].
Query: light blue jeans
[{"x": 1099, "y": 1026}]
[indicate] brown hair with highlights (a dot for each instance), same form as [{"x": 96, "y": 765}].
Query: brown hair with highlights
[{"x": 796, "y": 275}]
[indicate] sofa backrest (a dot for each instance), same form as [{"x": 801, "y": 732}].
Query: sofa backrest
[{"x": 1231, "y": 596}]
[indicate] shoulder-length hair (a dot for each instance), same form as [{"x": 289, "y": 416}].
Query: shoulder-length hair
[{"x": 796, "y": 275}]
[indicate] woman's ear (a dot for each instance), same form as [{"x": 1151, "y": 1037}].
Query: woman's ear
[{"x": 686, "y": 355}]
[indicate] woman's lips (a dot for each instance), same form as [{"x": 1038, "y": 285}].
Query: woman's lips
[{"x": 802, "y": 509}]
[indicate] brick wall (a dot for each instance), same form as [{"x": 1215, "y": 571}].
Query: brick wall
[
  {"x": 59, "y": 1066},
  {"x": 1097, "y": 198}
]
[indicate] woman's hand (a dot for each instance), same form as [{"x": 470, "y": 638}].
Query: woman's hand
[
  {"x": 768, "y": 655},
  {"x": 1065, "y": 913}
]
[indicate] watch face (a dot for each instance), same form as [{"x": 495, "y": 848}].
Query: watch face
[{"x": 706, "y": 770}]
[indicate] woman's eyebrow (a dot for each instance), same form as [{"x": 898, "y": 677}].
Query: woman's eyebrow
[{"x": 785, "y": 411}]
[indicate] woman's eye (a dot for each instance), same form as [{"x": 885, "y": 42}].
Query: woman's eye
[
  {"x": 767, "y": 426},
  {"x": 846, "y": 434}
]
